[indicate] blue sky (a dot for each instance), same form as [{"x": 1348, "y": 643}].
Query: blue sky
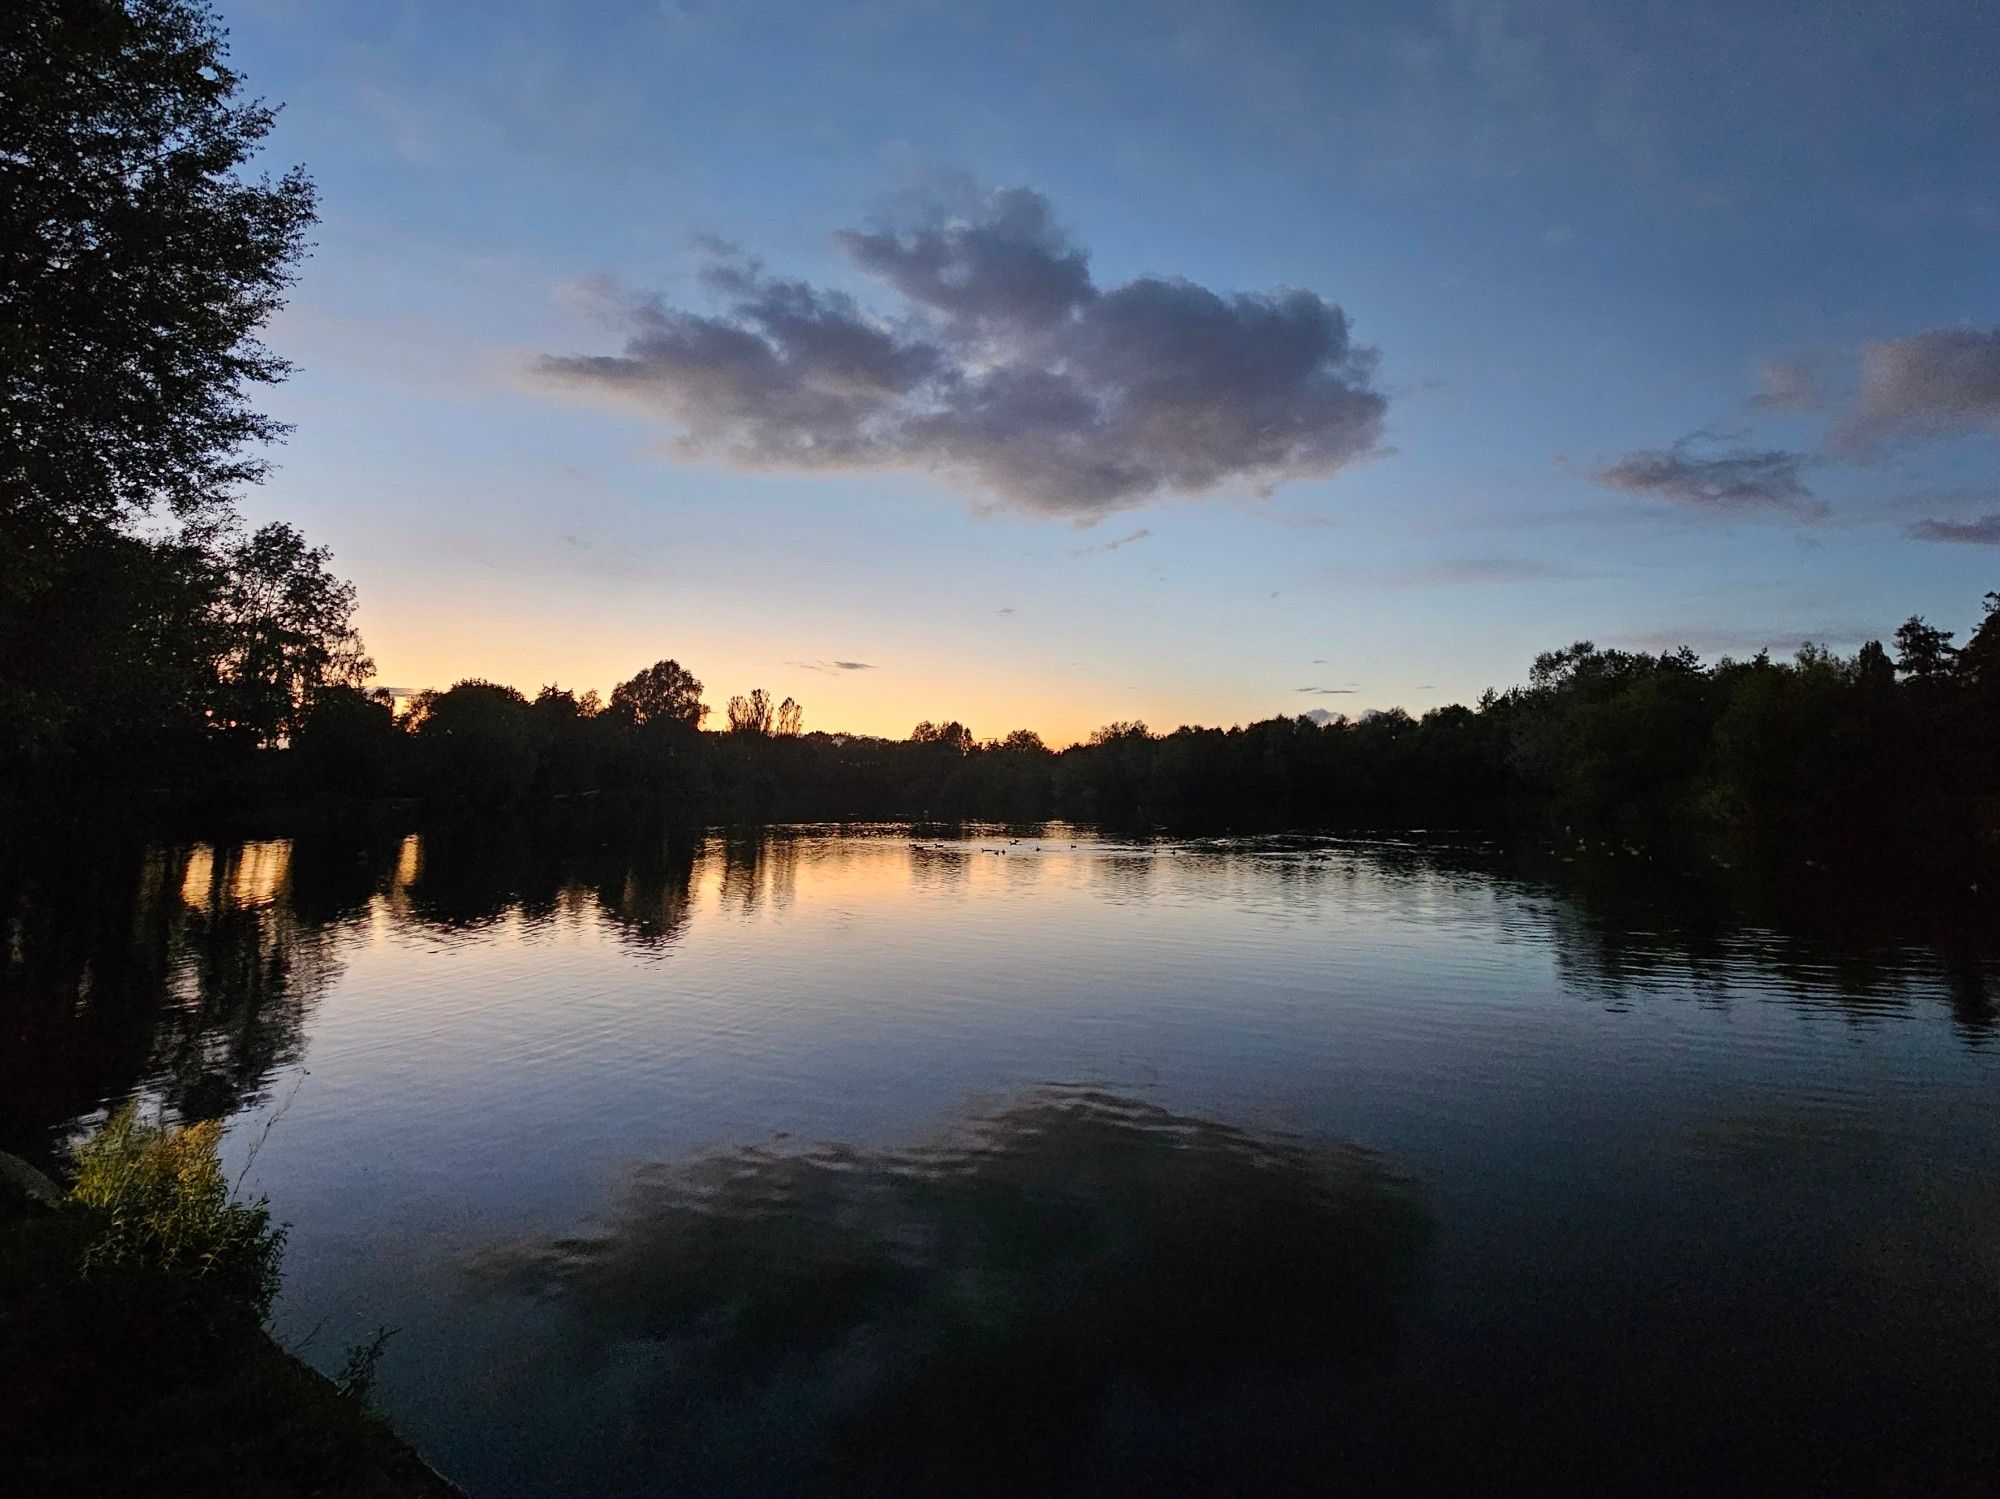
[{"x": 1575, "y": 238}]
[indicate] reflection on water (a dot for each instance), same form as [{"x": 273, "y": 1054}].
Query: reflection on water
[
  {"x": 1127, "y": 1284},
  {"x": 185, "y": 976},
  {"x": 1397, "y": 1157}
]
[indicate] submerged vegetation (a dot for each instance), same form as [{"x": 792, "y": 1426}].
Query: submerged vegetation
[{"x": 131, "y": 1336}]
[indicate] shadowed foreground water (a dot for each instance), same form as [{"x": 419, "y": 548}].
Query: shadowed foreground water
[{"x": 880, "y": 1161}]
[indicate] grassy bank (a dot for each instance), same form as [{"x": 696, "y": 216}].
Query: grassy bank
[{"x": 133, "y": 1347}]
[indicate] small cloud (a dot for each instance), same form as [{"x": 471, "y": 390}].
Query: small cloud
[
  {"x": 1299, "y": 520},
  {"x": 1985, "y": 531},
  {"x": 1790, "y": 385},
  {"x": 832, "y": 666},
  {"x": 1944, "y": 382},
  {"x": 1008, "y": 610},
  {"x": 1111, "y": 546},
  {"x": 1327, "y": 691},
  {"x": 1734, "y": 480},
  {"x": 1323, "y": 716}
]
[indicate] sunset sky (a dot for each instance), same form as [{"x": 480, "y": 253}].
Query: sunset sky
[{"x": 1044, "y": 364}]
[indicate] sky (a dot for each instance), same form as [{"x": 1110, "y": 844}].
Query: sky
[{"x": 1043, "y": 365}]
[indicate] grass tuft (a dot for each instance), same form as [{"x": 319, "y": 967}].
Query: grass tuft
[{"x": 162, "y": 1207}]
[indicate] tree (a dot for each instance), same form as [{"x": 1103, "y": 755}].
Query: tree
[
  {"x": 1979, "y": 659},
  {"x": 1123, "y": 731},
  {"x": 347, "y": 741},
  {"x": 1922, "y": 651},
  {"x": 665, "y": 692},
  {"x": 752, "y": 714},
  {"x": 954, "y": 737},
  {"x": 791, "y": 719},
  {"x": 287, "y": 630},
  {"x": 135, "y": 264},
  {"x": 477, "y": 742},
  {"x": 138, "y": 259}
]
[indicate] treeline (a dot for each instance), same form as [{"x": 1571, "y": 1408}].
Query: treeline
[{"x": 1885, "y": 747}]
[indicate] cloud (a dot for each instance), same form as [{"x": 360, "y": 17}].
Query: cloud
[
  {"x": 1790, "y": 385},
  {"x": 1944, "y": 382},
  {"x": 832, "y": 666},
  {"x": 1984, "y": 531},
  {"x": 1006, "y": 369},
  {"x": 1731, "y": 481},
  {"x": 1008, "y": 610},
  {"x": 1327, "y": 691},
  {"x": 1322, "y": 716},
  {"x": 1111, "y": 546}
]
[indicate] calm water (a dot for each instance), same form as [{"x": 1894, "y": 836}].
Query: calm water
[{"x": 890, "y": 1162}]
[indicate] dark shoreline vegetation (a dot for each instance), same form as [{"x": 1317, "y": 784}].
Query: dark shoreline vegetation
[
  {"x": 1858, "y": 757},
  {"x": 149, "y": 1264}
]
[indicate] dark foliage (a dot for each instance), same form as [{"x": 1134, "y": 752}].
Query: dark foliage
[
  {"x": 140, "y": 625},
  {"x": 1866, "y": 751}
]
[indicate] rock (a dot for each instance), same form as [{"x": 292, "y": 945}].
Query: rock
[{"x": 22, "y": 1183}]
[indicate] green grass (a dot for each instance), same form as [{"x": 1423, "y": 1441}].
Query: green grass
[
  {"x": 162, "y": 1209},
  {"x": 133, "y": 1357}
]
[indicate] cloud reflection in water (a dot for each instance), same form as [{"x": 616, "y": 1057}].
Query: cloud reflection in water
[{"x": 1078, "y": 1282}]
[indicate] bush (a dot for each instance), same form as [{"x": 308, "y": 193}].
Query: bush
[{"x": 162, "y": 1207}]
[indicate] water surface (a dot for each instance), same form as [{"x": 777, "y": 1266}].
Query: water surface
[{"x": 894, "y": 1161}]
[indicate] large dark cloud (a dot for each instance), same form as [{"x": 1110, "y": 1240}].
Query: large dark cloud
[
  {"x": 1985, "y": 531},
  {"x": 1730, "y": 481},
  {"x": 1943, "y": 382},
  {"x": 1006, "y": 369}
]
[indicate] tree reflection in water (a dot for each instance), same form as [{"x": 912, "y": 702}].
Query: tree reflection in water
[
  {"x": 184, "y": 975},
  {"x": 1079, "y": 1283}
]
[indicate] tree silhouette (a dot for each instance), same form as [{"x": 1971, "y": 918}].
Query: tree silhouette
[
  {"x": 751, "y": 715},
  {"x": 953, "y": 737},
  {"x": 665, "y": 692},
  {"x": 137, "y": 263},
  {"x": 476, "y": 743},
  {"x": 1921, "y": 650},
  {"x": 287, "y": 631}
]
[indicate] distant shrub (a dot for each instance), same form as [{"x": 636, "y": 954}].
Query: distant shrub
[{"x": 163, "y": 1209}]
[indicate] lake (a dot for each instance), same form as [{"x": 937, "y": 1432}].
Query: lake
[{"x": 907, "y": 1161}]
